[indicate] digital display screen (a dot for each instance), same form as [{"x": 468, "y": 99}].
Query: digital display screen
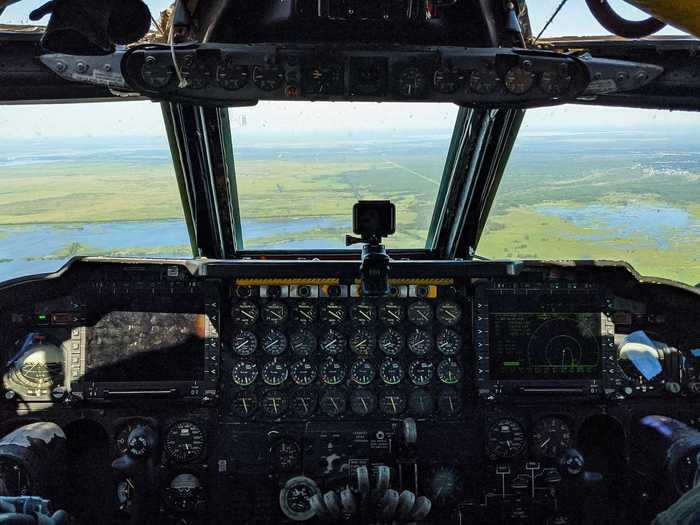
[
  {"x": 526, "y": 346},
  {"x": 145, "y": 346}
]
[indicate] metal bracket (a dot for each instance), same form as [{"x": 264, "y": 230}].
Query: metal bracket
[{"x": 101, "y": 70}]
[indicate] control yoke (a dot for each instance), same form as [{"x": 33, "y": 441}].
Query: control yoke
[{"x": 373, "y": 220}]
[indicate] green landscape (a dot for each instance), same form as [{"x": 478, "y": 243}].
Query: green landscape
[{"x": 621, "y": 196}]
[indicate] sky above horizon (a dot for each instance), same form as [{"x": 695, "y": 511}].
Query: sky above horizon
[{"x": 144, "y": 118}]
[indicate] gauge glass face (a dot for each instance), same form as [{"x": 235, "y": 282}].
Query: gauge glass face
[
  {"x": 274, "y": 342},
  {"x": 244, "y": 343},
  {"x": 448, "y": 342},
  {"x": 332, "y": 343},
  {"x": 332, "y": 372},
  {"x": 518, "y": 80},
  {"x": 304, "y": 312},
  {"x": 303, "y": 372},
  {"x": 448, "y": 313},
  {"x": 449, "y": 371},
  {"x": 184, "y": 442},
  {"x": 420, "y": 313},
  {"x": 391, "y": 313},
  {"x": 483, "y": 81},
  {"x": 274, "y": 372},
  {"x": 244, "y": 404},
  {"x": 391, "y": 371},
  {"x": 121, "y": 439},
  {"x": 232, "y": 76},
  {"x": 245, "y": 313},
  {"x": 285, "y": 454},
  {"x": 420, "y": 372},
  {"x": 274, "y": 403},
  {"x": 363, "y": 313},
  {"x": 303, "y": 343},
  {"x": 333, "y": 313},
  {"x": 392, "y": 403},
  {"x": 275, "y": 313},
  {"x": 412, "y": 82},
  {"x": 41, "y": 364},
  {"x": 420, "y": 342},
  {"x": 449, "y": 402},
  {"x": 421, "y": 403},
  {"x": 245, "y": 372},
  {"x": 156, "y": 74},
  {"x": 362, "y": 402},
  {"x": 333, "y": 403},
  {"x": 362, "y": 342},
  {"x": 391, "y": 342},
  {"x": 447, "y": 80},
  {"x": 554, "y": 84},
  {"x": 445, "y": 485},
  {"x": 324, "y": 79},
  {"x": 196, "y": 73},
  {"x": 551, "y": 436},
  {"x": 268, "y": 78},
  {"x": 505, "y": 438},
  {"x": 295, "y": 498},
  {"x": 362, "y": 372},
  {"x": 303, "y": 403}
]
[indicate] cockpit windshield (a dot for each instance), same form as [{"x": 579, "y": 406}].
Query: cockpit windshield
[{"x": 301, "y": 166}]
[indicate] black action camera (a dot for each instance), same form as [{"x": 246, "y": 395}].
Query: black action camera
[{"x": 373, "y": 220}]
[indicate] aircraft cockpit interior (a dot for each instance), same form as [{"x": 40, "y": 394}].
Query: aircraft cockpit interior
[{"x": 347, "y": 261}]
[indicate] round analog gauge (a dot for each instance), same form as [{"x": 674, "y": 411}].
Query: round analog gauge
[
  {"x": 274, "y": 403},
  {"x": 551, "y": 436},
  {"x": 362, "y": 312},
  {"x": 232, "y": 76},
  {"x": 125, "y": 493},
  {"x": 449, "y": 402},
  {"x": 483, "y": 81},
  {"x": 362, "y": 402},
  {"x": 274, "y": 372},
  {"x": 519, "y": 80},
  {"x": 16, "y": 481},
  {"x": 196, "y": 73},
  {"x": 391, "y": 313},
  {"x": 333, "y": 313},
  {"x": 41, "y": 364},
  {"x": 285, "y": 454},
  {"x": 303, "y": 372},
  {"x": 392, "y": 402},
  {"x": 295, "y": 498},
  {"x": 420, "y": 342},
  {"x": 412, "y": 82},
  {"x": 446, "y": 486},
  {"x": 324, "y": 79},
  {"x": 332, "y": 372},
  {"x": 268, "y": 78},
  {"x": 448, "y": 313},
  {"x": 184, "y": 442},
  {"x": 391, "y": 342},
  {"x": 505, "y": 438},
  {"x": 420, "y": 313},
  {"x": 244, "y": 404},
  {"x": 362, "y": 372},
  {"x": 245, "y": 372},
  {"x": 555, "y": 84},
  {"x": 275, "y": 312},
  {"x": 274, "y": 342},
  {"x": 333, "y": 342},
  {"x": 448, "y": 342},
  {"x": 303, "y": 403},
  {"x": 391, "y": 372},
  {"x": 420, "y": 403},
  {"x": 244, "y": 343},
  {"x": 303, "y": 343},
  {"x": 156, "y": 74},
  {"x": 447, "y": 80},
  {"x": 304, "y": 312},
  {"x": 333, "y": 403},
  {"x": 449, "y": 371},
  {"x": 121, "y": 438},
  {"x": 245, "y": 313},
  {"x": 362, "y": 342},
  {"x": 420, "y": 372}
]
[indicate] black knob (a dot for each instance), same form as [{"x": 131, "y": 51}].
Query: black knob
[
  {"x": 571, "y": 463},
  {"x": 141, "y": 441}
]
